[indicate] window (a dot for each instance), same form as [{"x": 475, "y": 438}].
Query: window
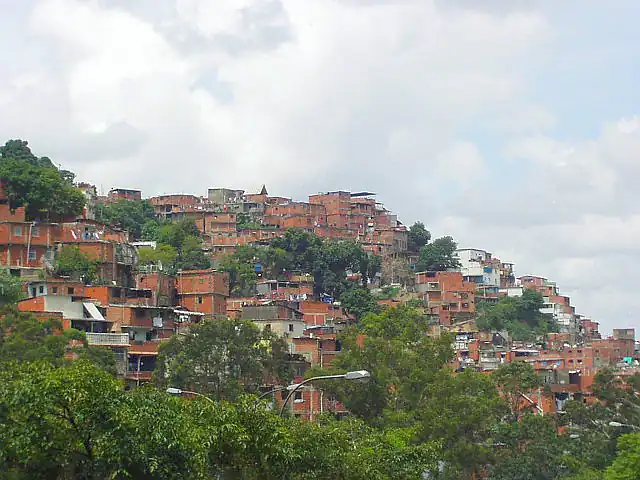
[
  {"x": 17, "y": 231},
  {"x": 54, "y": 290},
  {"x": 199, "y": 300},
  {"x": 35, "y": 232},
  {"x": 41, "y": 289},
  {"x": 32, "y": 256},
  {"x": 297, "y": 397},
  {"x": 291, "y": 327},
  {"x": 69, "y": 290}
]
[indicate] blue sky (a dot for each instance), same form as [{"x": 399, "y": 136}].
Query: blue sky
[{"x": 510, "y": 125}]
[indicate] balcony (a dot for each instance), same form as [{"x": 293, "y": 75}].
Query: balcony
[{"x": 108, "y": 339}]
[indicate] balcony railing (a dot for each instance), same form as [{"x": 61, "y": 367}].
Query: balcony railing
[{"x": 108, "y": 339}]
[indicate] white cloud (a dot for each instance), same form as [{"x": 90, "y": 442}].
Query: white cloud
[
  {"x": 430, "y": 103},
  {"x": 573, "y": 219}
]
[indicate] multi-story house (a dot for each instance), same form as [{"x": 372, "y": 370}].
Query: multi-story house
[
  {"x": 203, "y": 291},
  {"x": 447, "y": 297}
]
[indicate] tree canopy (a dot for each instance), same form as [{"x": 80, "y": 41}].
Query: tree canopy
[
  {"x": 129, "y": 215},
  {"x": 438, "y": 255},
  {"x": 10, "y": 288},
  {"x": 46, "y": 192},
  {"x": 179, "y": 245},
  {"x": 520, "y": 316},
  {"x": 72, "y": 262},
  {"x": 302, "y": 252},
  {"x": 222, "y": 357},
  {"x": 417, "y": 237}
]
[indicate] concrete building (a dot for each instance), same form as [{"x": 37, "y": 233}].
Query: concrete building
[
  {"x": 284, "y": 321},
  {"x": 478, "y": 266},
  {"x": 116, "y": 194}
]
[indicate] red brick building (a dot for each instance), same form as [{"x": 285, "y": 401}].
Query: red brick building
[
  {"x": 447, "y": 296},
  {"x": 203, "y": 291}
]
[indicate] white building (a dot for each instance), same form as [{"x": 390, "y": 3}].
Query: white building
[{"x": 477, "y": 266}]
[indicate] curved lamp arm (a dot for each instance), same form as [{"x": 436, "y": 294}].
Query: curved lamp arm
[
  {"x": 323, "y": 377},
  {"x": 265, "y": 394},
  {"x": 177, "y": 391}
]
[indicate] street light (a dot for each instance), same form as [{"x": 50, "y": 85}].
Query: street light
[
  {"x": 177, "y": 391},
  {"x": 361, "y": 375},
  {"x": 619, "y": 425},
  {"x": 277, "y": 389}
]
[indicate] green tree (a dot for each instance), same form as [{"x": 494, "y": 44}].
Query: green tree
[
  {"x": 626, "y": 465},
  {"x": 245, "y": 222},
  {"x": 403, "y": 361},
  {"x": 458, "y": 412},
  {"x": 520, "y": 316},
  {"x": 417, "y": 237},
  {"x": 76, "y": 421},
  {"x": 191, "y": 256},
  {"x": 162, "y": 254},
  {"x": 241, "y": 269},
  {"x": 150, "y": 230},
  {"x": 402, "y": 323},
  {"x": 72, "y": 262},
  {"x": 181, "y": 237},
  {"x": 129, "y": 215},
  {"x": 531, "y": 449},
  {"x": 222, "y": 358},
  {"x": 35, "y": 183},
  {"x": 25, "y": 338},
  {"x": 439, "y": 255},
  {"x": 515, "y": 379},
  {"x": 10, "y": 288},
  {"x": 595, "y": 442},
  {"x": 358, "y": 302}
]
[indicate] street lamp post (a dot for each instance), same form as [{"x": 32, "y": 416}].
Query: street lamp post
[
  {"x": 177, "y": 391},
  {"x": 277, "y": 389},
  {"x": 355, "y": 375},
  {"x": 620, "y": 425}
]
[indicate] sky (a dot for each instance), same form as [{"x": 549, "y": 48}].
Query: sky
[{"x": 512, "y": 125}]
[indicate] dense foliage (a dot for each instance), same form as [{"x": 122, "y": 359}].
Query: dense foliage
[
  {"x": 10, "y": 288},
  {"x": 520, "y": 316},
  {"x": 25, "y": 338},
  {"x": 72, "y": 262},
  {"x": 223, "y": 358},
  {"x": 438, "y": 255},
  {"x": 179, "y": 246},
  {"x": 417, "y": 237},
  {"x": 35, "y": 183},
  {"x": 129, "y": 215},
  {"x": 62, "y": 418},
  {"x": 302, "y": 252}
]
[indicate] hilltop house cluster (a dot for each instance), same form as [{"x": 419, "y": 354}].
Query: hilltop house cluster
[{"x": 134, "y": 308}]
